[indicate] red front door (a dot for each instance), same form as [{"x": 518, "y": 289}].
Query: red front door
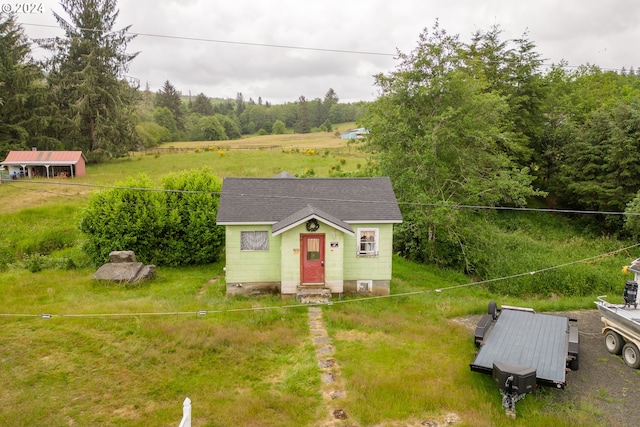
[{"x": 312, "y": 258}]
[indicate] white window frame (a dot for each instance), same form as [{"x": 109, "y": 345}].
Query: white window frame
[
  {"x": 364, "y": 286},
  {"x": 254, "y": 242},
  {"x": 363, "y": 252}
]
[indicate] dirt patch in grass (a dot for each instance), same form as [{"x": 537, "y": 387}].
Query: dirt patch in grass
[
  {"x": 603, "y": 385},
  {"x": 30, "y": 193}
]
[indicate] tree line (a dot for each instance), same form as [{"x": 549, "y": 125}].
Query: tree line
[
  {"x": 168, "y": 115},
  {"x": 484, "y": 123},
  {"x": 79, "y": 98}
]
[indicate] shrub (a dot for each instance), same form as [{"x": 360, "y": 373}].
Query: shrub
[
  {"x": 162, "y": 228},
  {"x": 308, "y": 173},
  {"x": 38, "y": 262},
  {"x": 6, "y": 257},
  {"x": 33, "y": 262}
]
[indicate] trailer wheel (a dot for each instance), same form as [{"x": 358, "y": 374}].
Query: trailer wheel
[
  {"x": 614, "y": 342},
  {"x": 631, "y": 355},
  {"x": 574, "y": 364},
  {"x": 493, "y": 310}
]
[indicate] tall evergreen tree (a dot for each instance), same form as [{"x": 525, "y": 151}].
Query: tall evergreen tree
[
  {"x": 513, "y": 73},
  {"x": 302, "y": 124},
  {"x": 601, "y": 170},
  {"x": 240, "y": 104},
  {"x": 330, "y": 99},
  {"x": 168, "y": 96},
  {"x": 202, "y": 105},
  {"x": 86, "y": 75},
  {"x": 24, "y": 114}
]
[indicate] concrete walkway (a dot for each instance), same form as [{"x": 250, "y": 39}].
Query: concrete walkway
[{"x": 332, "y": 388}]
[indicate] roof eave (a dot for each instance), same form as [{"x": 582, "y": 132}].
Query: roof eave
[
  {"x": 288, "y": 227},
  {"x": 245, "y": 223}
]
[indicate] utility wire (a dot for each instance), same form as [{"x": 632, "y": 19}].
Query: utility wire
[
  {"x": 318, "y": 199},
  {"x": 290, "y": 306},
  {"x": 277, "y": 46},
  {"x": 232, "y": 42}
]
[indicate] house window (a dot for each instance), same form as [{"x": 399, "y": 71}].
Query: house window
[
  {"x": 254, "y": 241},
  {"x": 367, "y": 241}
]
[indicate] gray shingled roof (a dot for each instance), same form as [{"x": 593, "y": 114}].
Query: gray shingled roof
[{"x": 271, "y": 200}]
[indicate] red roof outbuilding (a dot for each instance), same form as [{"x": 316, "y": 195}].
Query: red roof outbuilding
[{"x": 46, "y": 163}]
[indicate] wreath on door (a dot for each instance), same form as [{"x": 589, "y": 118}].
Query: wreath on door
[{"x": 313, "y": 225}]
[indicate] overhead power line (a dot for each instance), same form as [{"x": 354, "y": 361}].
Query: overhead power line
[
  {"x": 232, "y": 42},
  {"x": 257, "y": 196},
  {"x": 269, "y": 45},
  {"x": 290, "y": 306}
]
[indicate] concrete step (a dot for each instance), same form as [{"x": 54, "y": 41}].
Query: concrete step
[{"x": 313, "y": 295}]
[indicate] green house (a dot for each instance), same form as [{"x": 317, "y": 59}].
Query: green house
[{"x": 299, "y": 237}]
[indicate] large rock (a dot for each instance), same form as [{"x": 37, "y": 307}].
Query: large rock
[
  {"x": 122, "y": 256},
  {"x": 124, "y": 268}
]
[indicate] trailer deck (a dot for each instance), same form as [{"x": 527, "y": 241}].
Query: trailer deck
[{"x": 523, "y": 338}]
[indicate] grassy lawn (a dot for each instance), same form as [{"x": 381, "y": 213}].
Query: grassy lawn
[
  {"x": 87, "y": 366},
  {"x": 111, "y": 355},
  {"x": 114, "y": 356}
]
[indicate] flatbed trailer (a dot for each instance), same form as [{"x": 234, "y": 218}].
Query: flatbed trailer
[{"x": 523, "y": 349}]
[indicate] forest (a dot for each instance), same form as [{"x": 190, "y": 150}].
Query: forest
[
  {"x": 463, "y": 128},
  {"x": 467, "y": 129}
]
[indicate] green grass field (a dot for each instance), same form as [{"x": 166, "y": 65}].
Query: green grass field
[{"x": 107, "y": 355}]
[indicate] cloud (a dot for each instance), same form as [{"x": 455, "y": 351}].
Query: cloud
[{"x": 212, "y": 47}]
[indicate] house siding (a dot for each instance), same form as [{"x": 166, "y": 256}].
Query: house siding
[
  {"x": 369, "y": 267},
  {"x": 291, "y": 258},
  {"x": 278, "y": 269},
  {"x": 334, "y": 261},
  {"x": 251, "y": 266}
]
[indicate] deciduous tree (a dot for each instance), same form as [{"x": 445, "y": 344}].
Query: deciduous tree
[
  {"x": 278, "y": 127},
  {"x": 439, "y": 132}
]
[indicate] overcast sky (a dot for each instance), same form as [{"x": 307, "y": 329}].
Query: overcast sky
[{"x": 218, "y": 46}]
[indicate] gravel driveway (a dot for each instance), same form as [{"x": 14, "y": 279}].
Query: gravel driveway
[
  {"x": 603, "y": 384},
  {"x": 603, "y": 381}
]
